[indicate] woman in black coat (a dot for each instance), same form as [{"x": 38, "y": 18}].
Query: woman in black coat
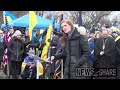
[
  {"x": 76, "y": 50},
  {"x": 16, "y": 49}
]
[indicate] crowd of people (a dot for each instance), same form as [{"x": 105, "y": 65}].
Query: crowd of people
[{"x": 75, "y": 46}]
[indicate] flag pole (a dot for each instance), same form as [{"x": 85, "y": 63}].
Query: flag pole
[
  {"x": 7, "y": 29},
  {"x": 51, "y": 36},
  {"x": 37, "y": 69},
  {"x": 62, "y": 12},
  {"x": 80, "y": 19},
  {"x": 62, "y": 69}
]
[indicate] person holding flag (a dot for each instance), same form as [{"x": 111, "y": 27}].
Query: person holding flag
[
  {"x": 34, "y": 37},
  {"x": 7, "y": 17}
]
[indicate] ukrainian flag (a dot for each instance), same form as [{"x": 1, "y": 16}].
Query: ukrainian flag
[
  {"x": 46, "y": 48},
  {"x": 9, "y": 16},
  {"x": 32, "y": 23}
]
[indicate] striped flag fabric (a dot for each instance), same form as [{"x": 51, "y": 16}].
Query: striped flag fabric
[
  {"x": 9, "y": 16},
  {"x": 46, "y": 48},
  {"x": 7, "y": 38},
  {"x": 58, "y": 74},
  {"x": 58, "y": 70},
  {"x": 5, "y": 57}
]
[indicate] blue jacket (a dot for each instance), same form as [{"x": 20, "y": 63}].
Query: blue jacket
[
  {"x": 40, "y": 66},
  {"x": 27, "y": 59},
  {"x": 91, "y": 45}
]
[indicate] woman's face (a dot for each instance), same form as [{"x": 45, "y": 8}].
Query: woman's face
[
  {"x": 1, "y": 34},
  {"x": 65, "y": 27},
  {"x": 31, "y": 56},
  {"x": 97, "y": 36},
  {"x": 19, "y": 36},
  {"x": 27, "y": 33}
]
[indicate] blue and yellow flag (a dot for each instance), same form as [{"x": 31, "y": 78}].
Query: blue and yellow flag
[
  {"x": 46, "y": 47},
  {"x": 32, "y": 23},
  {"x": 9, "y": 16}
]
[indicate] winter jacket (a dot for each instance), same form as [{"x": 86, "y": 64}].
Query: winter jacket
[
  {"x": 76, "y": 53},
  {"x": 16, "y": 49}
]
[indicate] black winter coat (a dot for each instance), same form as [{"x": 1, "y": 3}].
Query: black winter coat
[
  {"x": 16, "y": 49},
  {"x": 2, "y": 48},
  {"x": 117, "y": 44},
  {"x": 1, "y": 51},
  {"x": 108, "y": 59},
  {"x": 76, "y": 54},
  {"x": 35, "y": 44}
]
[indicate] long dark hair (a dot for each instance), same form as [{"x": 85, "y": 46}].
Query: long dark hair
[{"x": 63, "y": 38}]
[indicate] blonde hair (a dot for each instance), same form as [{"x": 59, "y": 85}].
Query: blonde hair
[{"x": 82, "y": 30}]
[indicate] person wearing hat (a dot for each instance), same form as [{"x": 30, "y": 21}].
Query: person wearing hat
[
  {"x": 16, "y": 49},
  {"x": 29, "y": 66}
]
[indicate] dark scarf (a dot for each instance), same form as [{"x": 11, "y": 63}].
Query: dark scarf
[{"x": 70, "y": 33}]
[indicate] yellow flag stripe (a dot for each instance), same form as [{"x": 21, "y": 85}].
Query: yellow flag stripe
[
  {"x": 46, "y": 47},
  {"x": 8, "y": 19},
  {"x": 117, "y": 38},
  {"x": 32, "y": 22}
]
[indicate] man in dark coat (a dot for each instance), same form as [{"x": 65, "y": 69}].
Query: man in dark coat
[
  {"x": 53, "y": 51},
  {"x": 2, "y": 48},
  {"x": 76, "y": 50},
  {"x": 117, "y": 45},
  {"x": 34, "y": 45},
  {"x": 105, "y": 52},
  {"x": 26, "y": 41},
  {"x": 16, "y": 49}
]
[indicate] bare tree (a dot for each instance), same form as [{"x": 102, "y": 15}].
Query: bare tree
[
  {"x": 94, "y": 17},
  {"x": 88, "y": 17},
  {"x": 116, "y": 18}
]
